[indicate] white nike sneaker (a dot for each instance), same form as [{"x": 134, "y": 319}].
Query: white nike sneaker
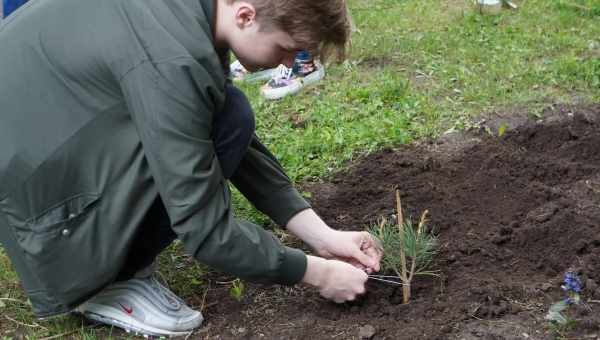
[{"x": 142, "y": 306}]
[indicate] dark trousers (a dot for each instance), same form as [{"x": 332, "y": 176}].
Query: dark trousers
[{"x": 232, "y": 132}]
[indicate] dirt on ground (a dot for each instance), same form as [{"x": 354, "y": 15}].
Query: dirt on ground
[{"x": 512, "y": 213}]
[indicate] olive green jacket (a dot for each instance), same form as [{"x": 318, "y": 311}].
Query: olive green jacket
[{"x": 103, "y": 106}]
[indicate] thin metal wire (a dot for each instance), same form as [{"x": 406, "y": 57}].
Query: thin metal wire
[
  {"x": 386, "y": 281},
  {"x": 385, "y": 276}
]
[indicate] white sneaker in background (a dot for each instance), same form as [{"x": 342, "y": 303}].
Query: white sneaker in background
[
  {"x": 287, "y": 82},
  {"x": 283, "y": 83}
]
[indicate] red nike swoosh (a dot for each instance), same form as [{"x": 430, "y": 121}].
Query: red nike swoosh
[{"x": 127, "y": 310}]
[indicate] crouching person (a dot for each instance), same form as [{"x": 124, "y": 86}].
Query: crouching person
[{"x": 119, "y": 133}]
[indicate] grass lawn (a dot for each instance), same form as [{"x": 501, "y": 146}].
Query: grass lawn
[{"x": 417, "y": 68}]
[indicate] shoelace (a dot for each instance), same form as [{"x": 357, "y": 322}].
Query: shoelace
[{"x": 283, "y": 74}]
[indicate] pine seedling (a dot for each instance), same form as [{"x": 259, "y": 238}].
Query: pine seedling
[{"x": 408, "y": 251}]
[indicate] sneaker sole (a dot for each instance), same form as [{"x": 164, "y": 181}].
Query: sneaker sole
[
  {"x": 273, "y": 94},
  {"x": 105, "y": 314},
  {"x": 311, "y": 79},
  {"x": 256, "y": 76}
]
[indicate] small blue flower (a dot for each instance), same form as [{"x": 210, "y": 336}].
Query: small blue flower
[
  {"x": 572, "y": 283},
  {"x": 572, "y": 286}
]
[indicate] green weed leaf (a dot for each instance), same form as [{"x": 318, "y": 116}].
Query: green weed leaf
[
  {"x": 237, "y": 290},
  {"x": 501, "y": 130}
]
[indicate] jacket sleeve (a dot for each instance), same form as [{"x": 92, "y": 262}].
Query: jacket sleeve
[
  {"x": 172, "y": 105},
  {"x": 262, "y": 180}
]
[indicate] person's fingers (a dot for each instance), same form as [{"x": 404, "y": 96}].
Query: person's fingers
[
  {"x": 362, "y": 290},
  {"x": 356, "y": 264},
  {"x": 364, "y": 239},
  {"x": 375, "y": 258},
  {"x": 371, "y": 241},
  {"x": 364, "y": 259},
  {"x": 346, "y": 283},
  {"x": 372, "y": 250},
  {"x": 353, "y": 262}
]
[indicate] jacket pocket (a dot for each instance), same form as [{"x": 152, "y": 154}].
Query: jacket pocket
[
  {"x": 59, "y": 244},
  {"x": 41, "y": 234},
  {"x": 70, "y": 209}
]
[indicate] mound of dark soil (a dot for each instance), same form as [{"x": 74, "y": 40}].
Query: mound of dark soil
[{"x": 512, "y": 213}]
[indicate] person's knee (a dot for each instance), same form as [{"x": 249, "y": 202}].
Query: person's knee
[
  {"x": 233, "y": 129},
  {"x": 237, "y": 112}
]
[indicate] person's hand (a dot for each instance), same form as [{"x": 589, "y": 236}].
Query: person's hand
[
  {"x": 336, "y": 280},
  {"x": 359, "y": 249}
]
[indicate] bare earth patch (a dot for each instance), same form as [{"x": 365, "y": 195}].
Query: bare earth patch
[{"x": 512, "y": 213}]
